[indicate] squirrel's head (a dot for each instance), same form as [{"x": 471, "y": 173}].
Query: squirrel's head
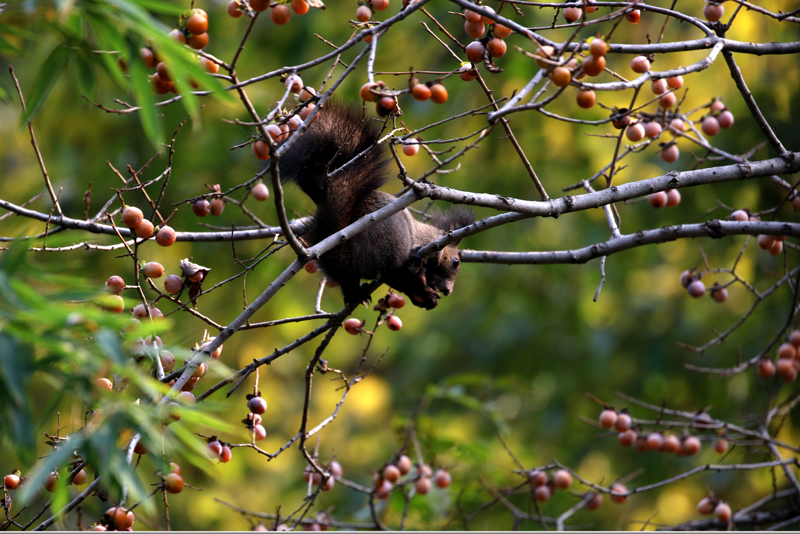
[{"x": 441, "y": 274}]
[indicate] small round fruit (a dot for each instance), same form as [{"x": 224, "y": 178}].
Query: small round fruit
[
  {"x": 113, "y": 304},
  {"x": 619, "y": 488},
  {"x": 185, "y": 397},
  {"x": 394, "y": 323},
  {"x": 471, "y": 16},
  {"x": 593, "y": 66},
  {"x": 640, "y": 64},
  {"x": 115, "y": 284},
  {"x": 670, "y": 154},
  {"x": 233, "y": 9},
  {"x": 217, "y": 207},
  {"x": 300, "y": 7},
  {"x": 766, "y": 369},
  {"x": 794, "y": 338},
  {"x": 475, "y": 52},
  {"x": 598, "y": 47},
  {"x": 260, "y": 192},
  {"x": 537, "y": 478},
  {"x": 562, "y": 479},
  {"x": 497, "y": 47},
  {"x": 11, "y": 482},
  {"x": 438, "y": 93},
  {"x": 386, "y": 105},
  {"x": 696, "y": 289},
  {"x": 595, "y": 502},
  {"x": 659, "y": 87},
  {"x": 710, "y": 126},
  {"x": 385, "y": 489},
  {"x": 658, "y": 200},
  {"x": 214, "y": 355},
  {"x": 280, "y": 14},
  {"x": 725, "y": 119},
  {"x": 786, "y": 370},
  {"x": 627, "y": 438},
  {"x": 177, "y": 36},
  {"x": 740, "y": 215},
  {"x": 103, "y": 384},
  {"x": 705, "y": 506},
  {"x": 474, "y": 29},
  {"x": 421, "y": 92},
  {"x": 641, "y": 444},
  {"x": 500, "y": 31},
  {"x": 721, "y": 446},
  {"x": 396, "y": 301},
  {"x": 336, "y": 468},
  {"x": 547, "y": 52},
  {"x": 353, "y": 326},
  {"x": 713, "y": 12},
  {"x": 166, "y": 236},
  {"x": 411, "y": 148},
  {"x": 363, "y": 13},
  {"x": 198, "y": 41},
  {"x": 586, "y": 99},
  {"x": 561, "y": 76},
  {"x": 144, "y": 230},
  {"x": 132, "y": 217},
  {"x": 719, "y": 294},
  {"x": 655, "y": 441},
  {"x": 635, "y": 132},
  {"x": 673, "y": 198},
  {"x": 51, "y": 482},
  {"x": 652, "y": 129},
  {"x": 260, "y": 151},
  {"x": 766, "y": 241},
  {"x": 542, "y": 493},
  {"x": 259, "y": 5},
  {"x": 623, "y": 422},
  {"x": 671, "y": 444},
  {"x": 678, "y": 125},
  {"x": 686, "y": 278},
  {"x": 197, "y": 24},
  {"x": 148, "y": 57},
  {"x": 257, "y": 405},
  {"x": 573, "y": 14},
  {"x": 667, "y": 100},
  {"x": 787, "y": 350},
  {"x": 777, "y": 248},
  {"x": 173, "y": 284},
  {"x": 722, "y": 511},
  {"x": 404, "y": 464},
  {"x": 153, "y": 269},
  {"x": 675, "y": 82},
  {"x": 379, "y": 5},
  {"x": 442, "y": 479},
  {"x": 214, "y": 449},
  {"x": 311, "y": 267},
  {"x": 173, "y": 483},
  {"x": 259, "y": 432},
  {"x": 608, "y": 418},
  {"x": 691, "y": 446},
  {"x": 423, "y": 486},
  {"x": 633, "y": 16},
  {"x": 225, "y": 455},
  {"x": 391, "y": 473}
]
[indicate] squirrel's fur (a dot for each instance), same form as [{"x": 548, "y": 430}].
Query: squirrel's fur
[{"x": 387, "y": 251}]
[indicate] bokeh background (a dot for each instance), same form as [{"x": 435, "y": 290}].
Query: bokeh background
[{"x": 513, "y": 351}]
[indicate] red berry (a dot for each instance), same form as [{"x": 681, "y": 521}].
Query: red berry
[
  {"x": 655, "y": 441},
  {"x": 115, "y": 284},
  {"x": 11, "y": 481},
  {"x": 723, "y": 511},
  {"x": 497, "y": 47},
  {"x": 411, "y": 148},
  {"x": 623, "y": 422},
  {"x": 353, "y": 326},
  {"x": 474, "y": 29},
  {"x": 595, "y": 502},
  {"x": 394, "y": 323},
  {"x": 573, "y": 14},
  {"x": 619, "y": 488},
  {"x": 385, "y": 489},
  {"x": 280, "y": 14},
  {"x": 713, "y": 12},
  {"x": 144, "y": 230},
  {"x": 787, "y": 350},
  {"x": 225, "y": 455},
  {"x": 667, "y": 100},
  {"x": 197, "y": 24},
  {"x": 501, "y": 31},
  {"x": 300, "y": 7},
  {"x": 421, "y": 92},
  {"x": 173, "y": 284},
  {"x": 705, "y": 506},
  {"x": 198, "y": 41},
  {"x": 166, "y": 236},
  {"x": 562, "y": 479},
  {"x": 173, "y": 483},
  {"x": 635, "y": 132},
  {"x": 404, "y": 464},
  {"x": 652, "y": 129},
  {"x": 676, "y": 82},
  {"x": 260, "y": 192},
  {"x": 542, "y": 493},
  {"x": 719, "y": 294},
  {"x": 132, "y": 217},
  {"x": 422, "y": 486},
  {"x": 627, "y": 438},
  {"x": 442, "y": 479},
  {"x": 51, "y": 482},
  {"x": 537, "y": 478},
  {"x": 259, "y": 5},
  {"x": 608, "y": 418},
  {"x": 691, "y": 446},
  {"x": 396, "y": 301},
  {"x": 658, "y": 200},
  {"x": 786, "y": 369},
  {"x": 363, "y": 13},
  {"x": 233, "y": 9},
  {"x": 673, "y": 198},
  {"x": 696, "y": 289},
  {"x": 721, "y": 445},
  {"x": 153, "y": 270},
  {"x": 438, "y": 93},
  {"x": 214, "y": 449},
  {"x": 148, "y": 57},
  {"x": 598, "y": 47},
  {"x": 379, "y": 5},
  {"x": 670, "y": 154},
  {"x": 260, "y": 432},
  {"x": 710, "y": 126},
  {"x": 671, "y": 444},
  {"x": 766, "y": 369},
  {"x": 475, "y": 52},
  {"x": 633, "y": 16},
  {"x": 586, "y": 99},
  {"x": 257, "y": 405},
  {"x": 391, "y": 473},
  {"x": 217, "y": 206},
  {"x": 725, "y": 119}
]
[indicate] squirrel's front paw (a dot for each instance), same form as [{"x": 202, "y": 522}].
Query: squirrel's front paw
[{"x": 426, "y": 298}]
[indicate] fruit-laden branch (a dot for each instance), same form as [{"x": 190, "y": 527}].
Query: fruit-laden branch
[{"x": 715, "y": 229}]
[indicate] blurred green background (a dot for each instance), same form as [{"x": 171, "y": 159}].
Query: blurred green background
[{"x": 526, "y": 342}]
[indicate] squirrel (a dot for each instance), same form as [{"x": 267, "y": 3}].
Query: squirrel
[{"x": 387, "y": 251}]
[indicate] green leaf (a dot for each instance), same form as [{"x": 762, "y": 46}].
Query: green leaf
[
  {"x": 49, "y": 464},
  {"x": 48, "y": 75},
  {"x": 86, "y": 81},
  {"x": 143, "y": 92},
  {"x": 159, "y": 6}
]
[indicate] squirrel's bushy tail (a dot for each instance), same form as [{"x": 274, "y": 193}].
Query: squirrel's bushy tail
[{"x": 339, "y": 134}]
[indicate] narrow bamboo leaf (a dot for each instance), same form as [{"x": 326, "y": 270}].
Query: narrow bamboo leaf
[
  {"x": 143, "y": 92},
  {"x": 48, "y": 75},
  {"x": 49, "y": 464},
  {"x": 86, "y": 80}
]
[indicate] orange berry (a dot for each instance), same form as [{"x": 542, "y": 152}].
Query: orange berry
[
  {"x": 655, "y": 441},
  {"x": 670, "y": 154},
  {"x": 652, "y": 129},
  {"x": 721, "y": 445},
  {"x": 153, "y": 270},
  {"x": 500, "y": 31},
  {"x": 691, "y": 446},
  {"x": 132, "y": 217},
  {"x": 633, "y": 16},
  {"x": 260, "y": 192},
  {"x": 177, "y": 36},
  {"x": 386, "y": 105},
  {"x": 173, "y": 483},
  {"x": 627, "y": 438},
  {"x": 103, "y": 384},
  {"x": 391, "y": 473},
  {"x": 197, "y": 24},
  {"x": 766, "y": 369},
  {"x": 593, "y": 66},
  {"x": 667, "y": 100},
  {"x": 561, "y": 76},
  {"x": 214, "y": 449},
  {"x": 421, "y": 92},
  {"x": 113, "y": 304},
  {"x": 51, "y": 482},
  {"x": 595, "y": 502},
  {"x": 438, "y": 93},
  {"x": 115, "y": 284},
  {"x": 640, "y": 64},
  {"x": 259, "y": 5},
  {"x": 635, "y": 132},
  {"x": 598, "y": 47},
  {"x": 280, "y": 14},
  {"x": 787, "y": 350},
  {"x": 209, "y": 66},
  {"x": 722, "y": 511},
  {"x": 11, "y": 481},
  {"x": 260, "y": 151},
  {"x": 545, "y": 52},
  {"x": 786, "y": 369},
  {"x": 422, "y": 486},
  {"x": 404, "y": 464},
  {"x": 471, "y": 16},
  {"x": 497, "y": 47},
  {"x": 166, "y": 236},
  {"x": 363, "y": 13},
  {"x": 619, "y": 488},
  {"x": 659, "y": 87},
  {"x": 441, "y": 479},
  {"x": 475, "y": 51},
  {"x": 675, "y": 82},
  {"x": 562, "y": 479},
  {"x": 586, "y": 99},
  {"x": 394, "y": 323},
  {"x": 198, "y": 41},
  {"x": 713, "y": 12},
  {"x": 474, "y": 29},
  {"x": 217, "y": 206},
  {"x": 573, "y": 14},
  {"x": 233, "y": 9},
  {"x": 484, "y": 18},
  {"x": 705, "y": 506},
  {"x": 671, "y": 444},
  {"x": 658, "y": 200},
  {"x": 379, "y": 5},
  {"x": 300, "y": 7},
  {"x": 608, "y": 418},
  {"x": 411, "y": 148}
]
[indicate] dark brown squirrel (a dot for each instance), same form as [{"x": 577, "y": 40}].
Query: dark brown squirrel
[{"x": 387, "y": 251}]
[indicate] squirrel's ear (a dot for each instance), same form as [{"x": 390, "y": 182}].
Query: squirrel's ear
[{"x": 453, "y": 219}]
